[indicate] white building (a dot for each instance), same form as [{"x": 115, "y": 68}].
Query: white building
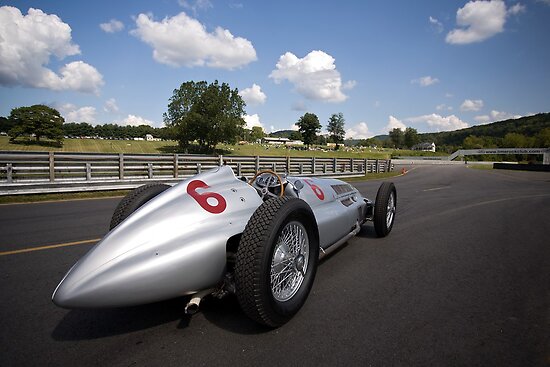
[{"x": 425, "y": 147}]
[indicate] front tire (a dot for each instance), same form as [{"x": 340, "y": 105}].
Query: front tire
[
  {"x": 134, "y": 200},
  {"x": 277, "y": 260},
  {"x": 384, "y": 209}
]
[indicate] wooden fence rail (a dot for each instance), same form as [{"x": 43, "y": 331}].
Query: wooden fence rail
[{"x": 51, "y": 168}]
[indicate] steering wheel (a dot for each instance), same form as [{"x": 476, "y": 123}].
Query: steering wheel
[{"x": 264, "y": 190}]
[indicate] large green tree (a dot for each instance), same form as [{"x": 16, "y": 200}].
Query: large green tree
[
  {"x": 335, "y": 128},
  {"x": 397, "y": 137},
  {"x": 40, "y": 120},
  {"x": 206, "y": 113},
  {"x": 410, "y": 137},
  {"x": 257, "y": 133},
  {"x": 309, "y": 126}
]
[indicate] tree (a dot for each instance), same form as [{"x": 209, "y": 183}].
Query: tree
[
  {"x": 296, "y": 135},
  {"x": 257, "y": 133},
  {"x": 473, "y": 142},
  {"x": 514, "y": 140},
  {"x": 309, "y": 126},
  {"x": 5, "y": 124},
  {"x": 411, "y": 137},
  {"x": 543, "y": 138},
  {"x": 370, "y": 142},
  {"x": 336, "y": 128},
  {"x": 397, "y": 137},
  {"x": 38, "y": 120},
  {"x": 206, "y": 113}
]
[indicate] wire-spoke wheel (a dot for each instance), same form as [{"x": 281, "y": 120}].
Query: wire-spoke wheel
[
  {"x": 290, "y": 261},
  {"x": 277, "y": 260},
  {"x": 384, "y": 209}
]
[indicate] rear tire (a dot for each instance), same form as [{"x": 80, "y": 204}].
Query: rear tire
[
  {"x": 135, "y": 199},
  {"x": 384, "y": 209},
  {"x": 277, "y": 260}
]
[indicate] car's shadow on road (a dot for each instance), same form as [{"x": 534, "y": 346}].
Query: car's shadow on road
[
  {"x": 367, "y": 231},
  {"x": 224, "y": 313},
  {"x": 96, "y": 324},
  {"x": 227, "y": 314}
]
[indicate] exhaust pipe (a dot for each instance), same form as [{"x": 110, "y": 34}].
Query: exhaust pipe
[
  {"x": 336, "y": 245},
  {"x": 192, "y": 307}
]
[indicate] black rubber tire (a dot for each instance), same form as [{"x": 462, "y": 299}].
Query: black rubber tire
[
  {"x": 135, "y": 199},
  {"x": 381, "y": 208},
  {"x": 254, "y": 257}
]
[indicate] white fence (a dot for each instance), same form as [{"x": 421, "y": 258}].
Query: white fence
[{"x": 22, "y": 172}]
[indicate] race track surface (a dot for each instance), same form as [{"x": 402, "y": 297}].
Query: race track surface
[{"x": 462, "y": 280}]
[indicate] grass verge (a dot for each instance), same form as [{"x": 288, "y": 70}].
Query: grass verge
[
  {"x": 16, "y": 199},
  {"x": 480, "y": 166},
  {"x": 373, "y": 176}
]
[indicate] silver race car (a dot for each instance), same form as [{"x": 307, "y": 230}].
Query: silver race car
[{"x": 215, "y": 234}]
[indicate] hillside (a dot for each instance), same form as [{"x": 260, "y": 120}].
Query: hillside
[{"x": 528, "y": 126}]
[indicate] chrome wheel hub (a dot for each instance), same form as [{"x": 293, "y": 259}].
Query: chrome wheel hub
[
  {"x": 290, "y": 261},
  {"x": 390, "y": 212}
]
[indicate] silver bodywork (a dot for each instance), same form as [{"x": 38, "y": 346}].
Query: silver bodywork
[{"x": 176, "y": 244}]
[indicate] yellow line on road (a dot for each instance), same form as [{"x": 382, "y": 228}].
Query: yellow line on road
[{"x": 31, "y": 249}]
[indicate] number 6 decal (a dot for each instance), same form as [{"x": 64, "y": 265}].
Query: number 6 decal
[
  {"x": 202, "y": 199},
  {"x": 316, "y": 189}
]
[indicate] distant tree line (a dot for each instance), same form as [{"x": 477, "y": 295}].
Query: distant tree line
[
  {"x": 524, "y": 132},
  {"x": 114, "y": 131},
  {"x": 200, "y": 115}
]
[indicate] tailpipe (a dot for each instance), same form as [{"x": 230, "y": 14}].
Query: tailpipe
[{"x": 192, "y": 307}]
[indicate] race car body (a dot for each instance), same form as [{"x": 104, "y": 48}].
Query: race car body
[{"x": 197, "y": 238}]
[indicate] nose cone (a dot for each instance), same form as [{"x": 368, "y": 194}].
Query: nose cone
[{"x": 69, "y": 295}]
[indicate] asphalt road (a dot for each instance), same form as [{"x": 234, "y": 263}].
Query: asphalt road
[{"x": 462, "y": 280}]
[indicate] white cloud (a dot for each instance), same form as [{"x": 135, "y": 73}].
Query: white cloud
[
  {"x": 253, "y": 95},
  {"x": 112, "y": 26},
  {"x": 442, "y": 107},
  {"x": 394, "y": 123},
  {"x": 111, "y": 106},
  {"x": 294, "y": 127},
  {"x": 471, "y": 105},
  {"x": 314, "y": 76},
  {"x": 496, "y": 116},
  {"x": 350, "y": 84},
  {"x": 439, "y": 122},
  {"x": 436, "y": 24},
  {"x": 133, "y": 120},
  {"x": 483, "y": 119},
  {"x": 547, "y": 2},
  {"x": 252, "y": 120},
  {"x": 196, "y": 5},
  {"x": 425, "y": 81},
  {"x": 26, "y": 44},
  {"x": 480, "y": 20},
  {"x": 516, "y": 9},
  {"x": 184, "y": 41},
  {"x": 359, "y": 131},
  {"x": 72, "y": 113}
]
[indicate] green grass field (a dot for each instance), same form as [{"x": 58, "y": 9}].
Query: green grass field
[
  {"x": 156, "y": 147},
  {"x": 94, "y": 146}
]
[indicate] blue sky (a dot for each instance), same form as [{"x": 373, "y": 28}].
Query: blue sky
[{"x": 433, "y": 65}]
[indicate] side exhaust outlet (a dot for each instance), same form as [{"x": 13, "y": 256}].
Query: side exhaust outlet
[{"x": 192, "y": 307}]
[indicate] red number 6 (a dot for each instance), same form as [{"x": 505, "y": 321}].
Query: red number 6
[
  {"x": 202, "y": 199},
  {"x": 316, "y": 189}
]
